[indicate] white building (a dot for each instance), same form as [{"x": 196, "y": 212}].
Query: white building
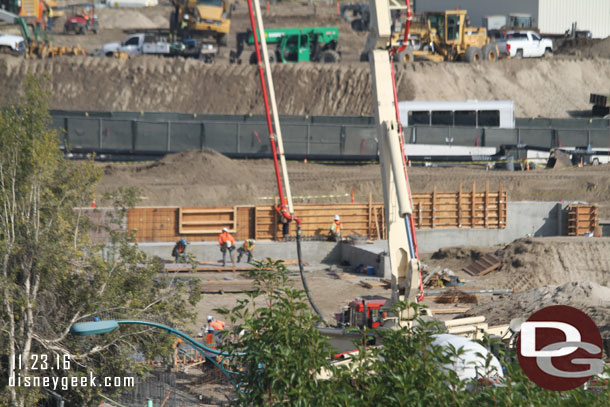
[{"x": 550, "y": 16}]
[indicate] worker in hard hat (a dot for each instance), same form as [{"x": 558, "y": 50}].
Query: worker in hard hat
[
  {"x": 213, "y": 331},
  {"x": 215, "y": 325},
  {"x": 179, "y": 251},
  {"x": 227, "y": 244},
  {"x": 335, "y": 230},
  {"x": 247, "y": 248}
]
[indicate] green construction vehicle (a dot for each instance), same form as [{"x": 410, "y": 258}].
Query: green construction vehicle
[{"x": 315, "y": 44}]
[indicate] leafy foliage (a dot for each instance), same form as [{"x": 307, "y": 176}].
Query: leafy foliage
[
  {"x": 287, "y": 356},
  {"x": 52, "y": 275}
]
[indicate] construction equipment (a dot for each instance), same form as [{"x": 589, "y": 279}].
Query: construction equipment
[
  {"x": 447, "y": 36},
  {"x": 81, "y": 18},
  {"x": 601, "y": 103},
  {"x": 315, "y": 44},
  {"x": 38, "y": 42},
  {"x": 201, "y": 19}
]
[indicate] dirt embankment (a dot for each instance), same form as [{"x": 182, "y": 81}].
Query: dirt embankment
[
  {"x": 209, "y": 178},
  {"x": 539, "y": 87}
]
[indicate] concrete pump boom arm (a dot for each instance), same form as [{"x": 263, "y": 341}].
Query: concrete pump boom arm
[{"x": 397, "y": 196}]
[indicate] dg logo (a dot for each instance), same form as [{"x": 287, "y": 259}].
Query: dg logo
[{"x": 560, "y": 348}]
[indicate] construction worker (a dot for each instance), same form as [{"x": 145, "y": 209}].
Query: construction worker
[
  {"x": 227, "y": 243},
  {"x": 284, "y": 221},
  {"x": 246, "y": 249},
  {"x": 215, "y": 325},
  {"x": 335, "y": 230},
  {"x": 179, "y": 251}
]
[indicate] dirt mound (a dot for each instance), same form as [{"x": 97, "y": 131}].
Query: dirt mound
[
  {"x": 187, "y": 167},
  {"x": 539, "y": 88},
  {"x": 585, "y": 47},
  {"x": 125, "y": 19},
  {"x": 529, "y": 263},
  {"x": 591, "y": 298}
]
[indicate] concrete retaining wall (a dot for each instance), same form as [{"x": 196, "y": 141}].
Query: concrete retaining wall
[
  {"x": 523, "y": 219},
  {"x": 313, "y": 252}
]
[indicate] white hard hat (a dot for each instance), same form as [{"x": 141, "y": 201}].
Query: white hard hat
[
  {"x": 210, "y": 318},
  {"x": 337, "y": 217},
  {"x": 225, "y": 229}
]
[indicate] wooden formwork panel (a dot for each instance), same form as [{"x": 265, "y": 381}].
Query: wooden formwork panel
[
  {"x": 472, "y": 209},
  {"x": 206, "y": 221},
  {"x": 582, "y": 219}
]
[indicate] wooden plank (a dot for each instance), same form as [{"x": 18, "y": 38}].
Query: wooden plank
[
  {"x": 453, "y": 310},
  {"x": 370, "y": 208},
  {"x": 227, "y": 286},
  {"x": 486, "y": 201},
  {"x": 181, "y": 267},
  {"x": 377, "y": 226},
  {"x": 486, "y": 264}
]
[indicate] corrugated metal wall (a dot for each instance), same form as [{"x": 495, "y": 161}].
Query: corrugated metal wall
[
  {"x": 557, "y": 16},
  {"x": 477, "y": 9}
]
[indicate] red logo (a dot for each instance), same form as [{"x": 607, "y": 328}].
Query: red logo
[{"x": 560, "y": 348}]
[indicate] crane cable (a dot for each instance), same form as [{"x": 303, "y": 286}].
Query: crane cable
[
  {"x": 408, "y": 222},
  {"x": 281, "y": 208}
]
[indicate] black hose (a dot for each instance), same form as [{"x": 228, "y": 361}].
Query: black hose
[{"x": 302, "y": 272}]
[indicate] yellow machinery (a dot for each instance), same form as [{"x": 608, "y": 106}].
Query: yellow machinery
[
  {"x": 201, "y": 18},
  {"x": 447, "y": 36}
]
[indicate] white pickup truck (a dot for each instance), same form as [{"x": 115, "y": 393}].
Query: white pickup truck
[
  {"x": 525, "y": 44},
  {"x": 11, "y": 44},
  {"x": 152, "y": 44}
]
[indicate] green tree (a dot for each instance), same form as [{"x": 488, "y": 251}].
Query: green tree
[
  {"x": 286, "y": 356},
  {"x": 52, "y": 275},
  {"x": 284, "y": 351}
]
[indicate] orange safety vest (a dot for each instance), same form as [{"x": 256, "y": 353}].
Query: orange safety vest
[
  {"x": 224, "y": 236},
  {"x": 336, "y": 227},
  {"x": 217, "y": 325}
]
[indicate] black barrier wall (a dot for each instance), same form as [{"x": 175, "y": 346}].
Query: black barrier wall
[{"x": 336, "y": 137}]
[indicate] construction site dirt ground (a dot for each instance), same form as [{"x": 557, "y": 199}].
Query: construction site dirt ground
[{"x": 207, "y": 178}]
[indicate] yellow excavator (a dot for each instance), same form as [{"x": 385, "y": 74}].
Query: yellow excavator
[{"x": 201, "y": 19}]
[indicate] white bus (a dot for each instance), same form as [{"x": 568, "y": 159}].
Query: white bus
[{"x": 471, "y": 113}]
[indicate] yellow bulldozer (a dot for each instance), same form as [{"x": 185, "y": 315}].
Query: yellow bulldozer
[{"x": 448, "y": 36}]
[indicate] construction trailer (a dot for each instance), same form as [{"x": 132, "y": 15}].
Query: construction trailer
[{"x": 552, "y": 17}]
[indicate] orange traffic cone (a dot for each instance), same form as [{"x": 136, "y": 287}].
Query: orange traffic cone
[{"x": 93, "y": 203}]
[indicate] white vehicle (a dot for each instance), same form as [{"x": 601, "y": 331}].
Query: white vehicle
[
  {"x": 12, "y": 44},
  {"x": 131, "y": 3},
  {"x": 151, "y": 44},
  {"x": 525, "y": 44}
]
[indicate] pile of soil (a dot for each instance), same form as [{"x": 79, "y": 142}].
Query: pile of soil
[
  {"x": 533, "y": 262},
  {"x": 587, "y": 296},
  {"x": 585, "y": 47},
  {"x": 124, "y": 19},
  {"x": 530, "y": 263}
]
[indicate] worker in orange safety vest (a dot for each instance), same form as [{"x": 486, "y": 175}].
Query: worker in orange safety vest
[
  {"x": 215, "y": 327},
  {"x": 227, "y": 244},
  {"x": 246, "y": 249},
  {"x": 335, "y": 230}
]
